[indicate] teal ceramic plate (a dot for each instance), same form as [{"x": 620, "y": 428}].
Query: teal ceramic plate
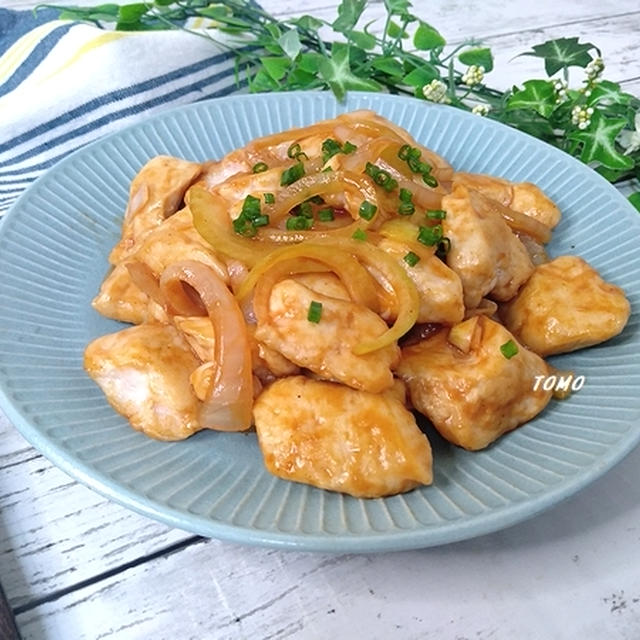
[{"x": 53, "y": 256}]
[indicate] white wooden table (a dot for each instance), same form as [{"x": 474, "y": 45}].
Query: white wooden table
[{"x": 75, "y": 566}]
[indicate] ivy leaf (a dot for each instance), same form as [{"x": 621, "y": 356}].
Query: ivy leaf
[
  {"x": 310, "y": 62},
  {"x": 538, "y": 95},
  {"x": 389, "y": 66},
  {"x": 427, "y": 37},
  {"x": 349, "y": 12},
  {"x": 362, "y": 39},
  {"x": 262, "y": 81},
  {"x": 634, "y": 199},
  {"x": 103, "y": 12},
  {"x": 336, "y": 72},
  {"x": 562, "y": 53},
  {"x": 480, "y": 56},
  {"x": 309, "y": 23},
  {"x": 421, "y": 75},
  {"x": 608, "y": 93},
  {"x": 290, "y": 43},
  {"x": 276, "y": 67},
  {"x": 598, "y": 142},
  {"x": 394, "y": 30},
  {"x": 397, "y": 7}
]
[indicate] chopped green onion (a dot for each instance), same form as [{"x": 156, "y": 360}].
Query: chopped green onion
[
  {"x": 315, "y": 312},
  {"x": 429, "y": 180},
  {"x": 509, "y": 349},
  {"x": 290, "y": 175},
  {"x": 299, "y": 223},
  {"x": 315, "y": 200},
  {"x": 414, "y": 153},
  {"x": 327, "y": 170},
  {"x": 261, "y": 221},
  {"x": 304, "y": 209},
  {"x": 430, "y": 235},
  {"x": 371, "y": 170},
  {"x": 359, "y": 234},
  {"x": 444, "y": 246},
  {"x": 406, "y": 208},
  {"x": 244, "y": 227},
  {"x": 260, "y": 167},
  {"x": 330, "y": 148},
  {"x": 325, "y": 215},
  {"x": 269, "y": 198},
  {"x": 294, "y": 150},
  {"x": 367, "y": 210},
  {"x": 405, "y": 195},
  {"x": 436, "y": 214},
  {"x": 348, "y": 148},
  {"x": 250, "y": 207},
  {"x": 411, "y": 259},
  {"x": 403, "y": 152}
]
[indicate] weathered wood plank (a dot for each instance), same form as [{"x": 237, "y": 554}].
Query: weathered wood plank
[
  {"x": 486, "y": 588},
  {"x": 55, "y": 532}
]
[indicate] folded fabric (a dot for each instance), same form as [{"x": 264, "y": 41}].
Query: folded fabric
[{"x": 64, "y": 84}]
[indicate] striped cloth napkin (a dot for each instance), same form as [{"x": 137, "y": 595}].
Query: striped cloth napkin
[{"x": 64, "y": 84}]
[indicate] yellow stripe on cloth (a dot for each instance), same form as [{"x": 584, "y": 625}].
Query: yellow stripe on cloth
[
  {"x": 94, "y": 43},
  {"x": 18, "y": 52}
]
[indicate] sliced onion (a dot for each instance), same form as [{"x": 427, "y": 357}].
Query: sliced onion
[
  {"x": 229, "y": 401},
  {"x": 144, "y": 278}
]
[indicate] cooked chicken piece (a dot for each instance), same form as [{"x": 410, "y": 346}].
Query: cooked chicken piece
[
  {"x": 215, "y": 173},
  {"x": 198, "y": 332},
  {"x": 523, "y": 197},
  {"x": 144, "y": 372},
  {"x": 439, "y": 287},
  {"x": 473, "y": 398},
  {"x": 337, "y": 438},
  {"x": 237, "y": 188},
  {"x": 486, "y": 255},
  {"x": 119, "y": 298},
  {"x": 328, "y": 284},
  {"x": 156, "y": 193},
  {"x": 174, "y": 240},
  {"x": 326, "y": 347},
  {"x": 565, "y": 306}
]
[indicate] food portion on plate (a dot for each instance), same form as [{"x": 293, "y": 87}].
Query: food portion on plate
[{"x": 321, "y": 285}]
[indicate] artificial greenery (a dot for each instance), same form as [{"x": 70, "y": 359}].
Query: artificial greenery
[{"x": 595, "y": 121}]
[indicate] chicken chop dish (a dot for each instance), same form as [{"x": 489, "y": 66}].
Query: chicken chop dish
[{"x": 324, "y": 284}]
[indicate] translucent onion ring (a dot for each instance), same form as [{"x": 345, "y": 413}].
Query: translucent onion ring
[{"x": 229, "y": 400}]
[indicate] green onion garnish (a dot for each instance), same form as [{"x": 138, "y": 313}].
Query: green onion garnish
[
  {"x": 304, "y": 209},
  {"x": 348, "y": 148},
  {"x": 436, "y": 214},
  {"x": 325, "y": 215},
  {"x": 429, "y": 180},
  {"x": 299, "y": 223},
  {"x": 331, "y": 147},
  {"x": 244, "y": 227},
  {"x": 411, "y": 259},
  {"x": 315, "y": 200},
  {"x": 405, "y": 195},
  {"x": 294, "y": 150},
  {"x": 509, "y": 349},
  {"x": 250, "y": 207},
  {"x": 261, "y": 221},
  {"x": 259, "y": 167},
  {"x": 290, "y": 175},
  {"x": 430, "y": 235},
  {"x": 403, "y": 152},
  {"x": 269, "y": 198},
  {"x": 406, "y": 208},
  {"x": 367, "y": 210},
  {"x": 359, "y": 234},
  {"x": 315, "y": 312}
]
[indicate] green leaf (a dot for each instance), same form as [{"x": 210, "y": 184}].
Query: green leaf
[
  {"x": 276, "y": 67},
  {"x": 598, "y": 142},
  {"x": 262, "y": 81},
  {"x": 336, "y": 72},
  {"x": 363, "y": 40},
  {"x": 394, "y": 30},
  {"x": 163, "y": 3},
  {"x": 308, "y": 22},
  {"x": 480, "y": 56},
  {"x": 421, "y": 75},
  {"x": 397, "y": 7},
  {"x": 607, "y": 92},
  {"x": 562, "y": 53},
  {"x": 538, "y": 95},
  {"x": 389, "y": 66},
  {"x": 129, "y": 16},
  {"x": 427, "y": 37},
  {"x": 103, "y": 12},
  {"x": 349, "y": 12},
  {"x": 290, "y": 43},
  {"x": 310, "y": 62},
  {"x": 634, "y": 199}
]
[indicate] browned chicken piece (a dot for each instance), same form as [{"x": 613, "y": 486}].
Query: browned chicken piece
[
  {"x": 565, "y": 306},
  {"x": 337, "y": 438},
  {"x": 174, "y": 240},
  {"x": 489, "y": 259},
  {"x": 439, "y": 287},
  {"x": 328, "y": 284},
  {"x": 217, "y": 172},
  {"x": 523, "y": 197},
  {"x": 156, "y": 193},
  {"x": 119, "y": 298},
  {"x": 473, "y": 397},
  {"x": 326, "y": 347},
  {"x": 144, "y": 373}
]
